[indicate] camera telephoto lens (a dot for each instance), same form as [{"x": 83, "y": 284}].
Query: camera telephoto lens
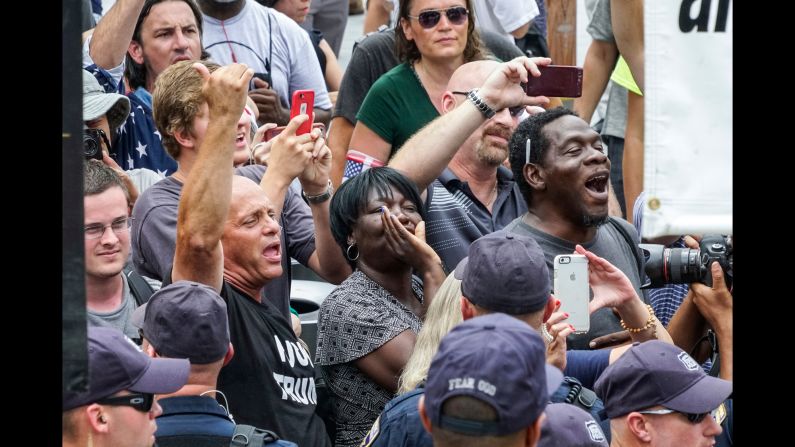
[{"x": 671, "y": 265}]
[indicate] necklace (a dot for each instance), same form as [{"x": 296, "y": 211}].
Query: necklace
[{"x": 493, "y": 195}]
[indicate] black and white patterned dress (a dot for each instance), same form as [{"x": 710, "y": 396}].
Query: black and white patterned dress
[{"x": 357, "y": 318}]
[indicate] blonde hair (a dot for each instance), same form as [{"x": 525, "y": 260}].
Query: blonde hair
[{"x": 443, "y": 314}]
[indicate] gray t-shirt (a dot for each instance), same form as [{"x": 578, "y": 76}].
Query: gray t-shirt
[
  {"x": 154, "y": 233},
  {"x": 118, "y": 318},
  {"x": 600, "y": 28},
  {"x": 373, "y": 55},
  {"x": 258, "y": 34},
  {"x": 609, "y": 244}
]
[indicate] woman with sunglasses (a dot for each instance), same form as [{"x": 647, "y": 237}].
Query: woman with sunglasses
[
  {"x": 432, "y": 39},
  {"x": 367, "y": 326}
]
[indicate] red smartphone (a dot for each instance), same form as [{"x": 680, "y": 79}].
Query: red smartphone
[
  {"x": 303, "y": 103},
  {"x": 560, "y": 81},
  {"x": 271, "y": 133}
]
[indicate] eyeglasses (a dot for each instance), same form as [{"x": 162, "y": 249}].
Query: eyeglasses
[
  {"x": 119, "y": 226},
  {"x": 694, "y": 418},
  {"x": 514, "y": 111},
  {"x": 430, "y": 17},
  {"x": 140, "y": 401}
]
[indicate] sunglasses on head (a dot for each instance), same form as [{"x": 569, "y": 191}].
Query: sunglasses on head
[
  {"x": 514, "y": 111},
  {"x": 694, "y": 418},
  {"x": 140, "y": 401},
  {"x": 430, "y": 17}
]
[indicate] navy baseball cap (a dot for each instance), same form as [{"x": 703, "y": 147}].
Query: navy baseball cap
[
  {"x": 570, "y": 426},
  {"x": 505, "y": 272},
  {"x": 496, "y": 359},
  {"x": 116, "y": 363},
  {"x": 658, "y": 373},
  {"x": 187, "y": 319}
]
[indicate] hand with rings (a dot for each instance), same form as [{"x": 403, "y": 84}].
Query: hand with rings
[{"x": 546, "y": 334}]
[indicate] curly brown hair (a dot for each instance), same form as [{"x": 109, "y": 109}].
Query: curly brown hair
[{"x": 407, "y": 50}]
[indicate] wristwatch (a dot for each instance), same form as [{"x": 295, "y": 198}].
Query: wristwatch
[
  {"x": 484, "y": 108},
  {"x": 320, "y": 198}
]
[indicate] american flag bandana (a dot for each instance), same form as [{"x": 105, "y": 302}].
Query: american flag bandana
[{"x": 357, "y": 162}]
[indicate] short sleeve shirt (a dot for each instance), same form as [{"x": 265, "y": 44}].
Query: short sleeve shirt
[
  {"x": 396, "y": 107},
  {"x": 357, "y": 318}
]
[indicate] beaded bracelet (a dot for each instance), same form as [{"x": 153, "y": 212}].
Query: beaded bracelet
[{"x": 650, "y": 323}]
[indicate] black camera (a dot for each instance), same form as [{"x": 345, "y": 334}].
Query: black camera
[
  {"x": 92, "y": 143},
  {"x": 685, "y": 265}
]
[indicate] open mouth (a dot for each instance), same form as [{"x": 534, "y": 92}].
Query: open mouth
[
  {"x": 598, "y": 183},
  {"x": 240, "y": 140},
  {"x": 273, "y": 252}
]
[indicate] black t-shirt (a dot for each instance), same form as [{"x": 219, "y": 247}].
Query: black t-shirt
[{"x": 270, "y": 382}]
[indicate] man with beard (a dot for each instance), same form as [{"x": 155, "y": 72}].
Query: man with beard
[
  {"x": 560, "y": 166},
  {"x": 457, "y": 158}
]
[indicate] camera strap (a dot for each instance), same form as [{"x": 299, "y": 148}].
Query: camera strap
[
  {"x": 140, "y": 289},
  {"x": 633, "y": 246}
]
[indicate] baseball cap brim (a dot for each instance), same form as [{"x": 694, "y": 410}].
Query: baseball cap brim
[
  {"x": 137, "y": 319},
  {"x": 162, "y": 376},
  {"x": 554, "y": 378},
  {"x": 703, "y": 396},
  {"x": 460, "y": 269},
  {"x": 114, "y": 105}
]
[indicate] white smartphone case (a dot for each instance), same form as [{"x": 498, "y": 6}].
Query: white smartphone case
[{"x": 571, "y": 288}]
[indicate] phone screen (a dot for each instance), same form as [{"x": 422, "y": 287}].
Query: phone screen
[
  {"x": 572, "y": 289},
  {"x": 560, "y": 81}
]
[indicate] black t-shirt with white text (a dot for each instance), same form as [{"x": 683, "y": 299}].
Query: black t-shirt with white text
[{"x": 270, "y": 381}]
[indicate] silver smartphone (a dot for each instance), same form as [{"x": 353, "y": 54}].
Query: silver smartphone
[{"x": 571, "y": 288}]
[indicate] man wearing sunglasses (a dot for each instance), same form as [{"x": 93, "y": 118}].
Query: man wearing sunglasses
[
  {"x": 657, "y": 395},
  {"x": 118, "y": 409},
  {"x": 458, "y": 158}
]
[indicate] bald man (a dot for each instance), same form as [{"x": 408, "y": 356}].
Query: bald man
[{"x": 468, "y": 192}]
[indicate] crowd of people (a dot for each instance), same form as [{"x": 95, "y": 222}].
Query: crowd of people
[{"x": 436, "y": 202}]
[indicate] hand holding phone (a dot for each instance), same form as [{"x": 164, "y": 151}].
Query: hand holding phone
[
  {"x": 572, "y": 289},
  {"x": 303, "y": 103},
  {"x": 272, "y": 133},
  {"x": 561, "y": 81}
]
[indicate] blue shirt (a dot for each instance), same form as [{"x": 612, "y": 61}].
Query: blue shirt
[
  {"x": 136, "y": 144},
  {"x": 196, "y": 416},
  {"x": 399, "y": 424},
  {"x": 586, "y": 366}
]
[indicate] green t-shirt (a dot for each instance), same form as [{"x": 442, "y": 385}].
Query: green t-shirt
[{"x": 396, "y": 107}]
